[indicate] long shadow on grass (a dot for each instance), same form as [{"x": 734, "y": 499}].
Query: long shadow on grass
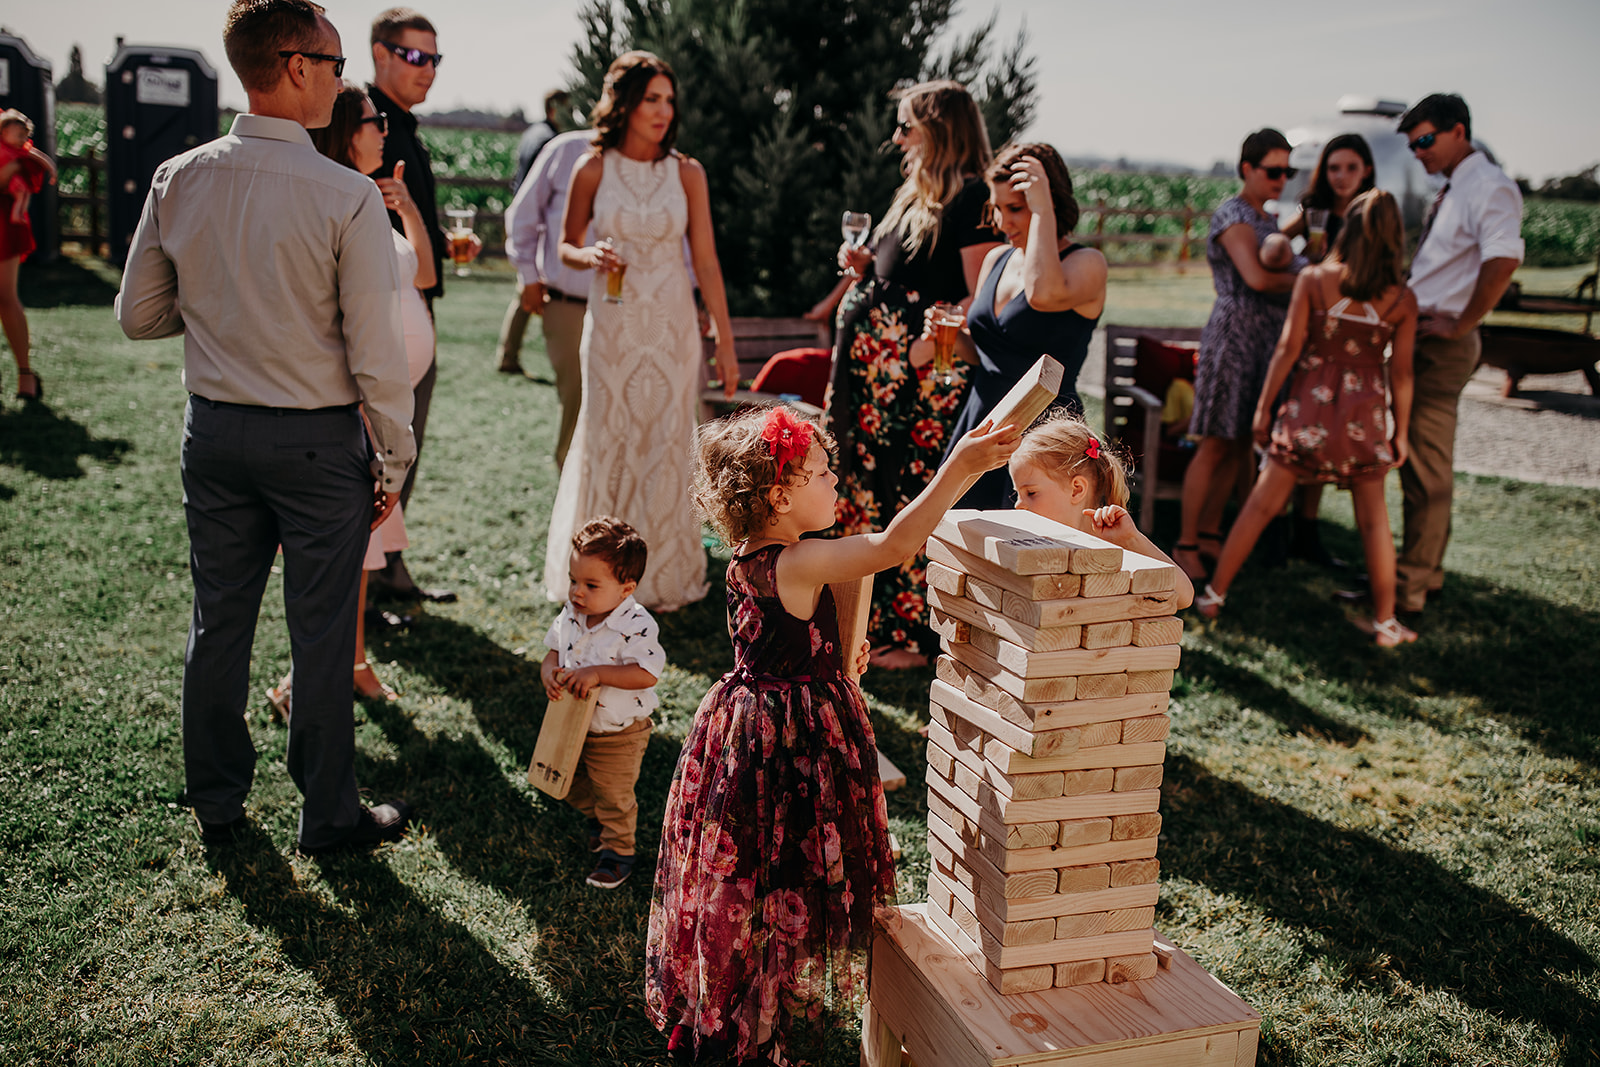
[
  {"x": 1254, "y": 691},
  {"x": 1385, "y": 912},
  {"x": 412, "y": 985},
  {"x": 50, "y": 445},
  {"x": 531, "y": 849},
  {"x": 1486, "y": 650}
]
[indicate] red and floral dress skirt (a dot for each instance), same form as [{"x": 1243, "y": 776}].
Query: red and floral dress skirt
[
  {"x": 775, "y": 840},
  {"x": 1333, "y": 426},
  {"x": 893, "y": 423}
]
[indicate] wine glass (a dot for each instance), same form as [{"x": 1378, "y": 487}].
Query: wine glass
[
  {"x": 461, "y": 220},
  {"x": 855, "y": 226}
]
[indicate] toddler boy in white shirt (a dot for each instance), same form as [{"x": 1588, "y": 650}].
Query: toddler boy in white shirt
[{"x": 604, "y": 640}]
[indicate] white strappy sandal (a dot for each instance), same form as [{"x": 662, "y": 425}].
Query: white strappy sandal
[
  {"x": 1210, "y": 602},
  {"x": 1390, "y": 632}
]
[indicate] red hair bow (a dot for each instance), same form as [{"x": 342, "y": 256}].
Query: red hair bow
[
  {"x": 1093, "y": 451},
  {"x": 787, "y": 437}
]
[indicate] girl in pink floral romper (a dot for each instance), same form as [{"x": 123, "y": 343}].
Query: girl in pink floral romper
[
  {"x": 1333, "y": 424},
  {"x": 775, "y": 843}
]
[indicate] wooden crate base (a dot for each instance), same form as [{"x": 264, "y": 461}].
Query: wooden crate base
[{"x": 926, "y": 997}]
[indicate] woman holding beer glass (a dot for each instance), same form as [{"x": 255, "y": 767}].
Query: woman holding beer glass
[
  {"x": 890, "y": 409},
  {"x": 631, "y": 449},
  {"x": 1344, "y": 171},
  {"x": 1042, "y": 294}
]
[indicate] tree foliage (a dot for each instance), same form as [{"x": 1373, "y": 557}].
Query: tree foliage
[{"x": 786, "y": 103}]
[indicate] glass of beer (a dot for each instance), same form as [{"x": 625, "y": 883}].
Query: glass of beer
[
  {"x": 947, "y": 322},
  {"x": 1316, "y": 232},
  {"x": 460, "y": 234},
  {"x": 614, "y": 277}
]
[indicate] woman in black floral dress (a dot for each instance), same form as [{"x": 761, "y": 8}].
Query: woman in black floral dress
[{"x": 892, "y": 417}]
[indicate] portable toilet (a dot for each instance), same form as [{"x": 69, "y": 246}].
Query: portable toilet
[
  {"x": 160, "y": 102},
  {"x": 26, "y": 84}
]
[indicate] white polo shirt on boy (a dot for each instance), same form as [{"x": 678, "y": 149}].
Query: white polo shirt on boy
[{"x": 626, "y": 636}]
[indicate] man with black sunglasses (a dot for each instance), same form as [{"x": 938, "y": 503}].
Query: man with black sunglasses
[
  {"x": 405, "y": 55},
  {"x": 277, "y": 363},
  {"x": 1471, "y": 244}
]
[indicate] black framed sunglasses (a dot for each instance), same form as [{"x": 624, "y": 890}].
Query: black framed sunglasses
[
  {"x": 337, "y": 61},
  {"x": 1423, "y": 143},
  {"x": 414, "y": 56},
  {"x": 380, "y": 120},
  {"x": 1274, "y": 173}
]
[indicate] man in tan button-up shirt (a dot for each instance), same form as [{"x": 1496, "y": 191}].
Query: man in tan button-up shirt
[{"x": 277, "y": 266}]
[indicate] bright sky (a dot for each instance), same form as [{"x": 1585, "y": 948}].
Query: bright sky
[{"x": 1147, "y": 79}]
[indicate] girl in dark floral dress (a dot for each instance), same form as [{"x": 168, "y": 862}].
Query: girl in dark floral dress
[
  {"x": 775, "y": 841},
  {"x": 1333, "y": 426},
  {"x": 891, "y": 414}
]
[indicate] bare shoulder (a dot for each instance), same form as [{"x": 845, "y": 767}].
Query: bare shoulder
[{"x": 690, "y": 170}]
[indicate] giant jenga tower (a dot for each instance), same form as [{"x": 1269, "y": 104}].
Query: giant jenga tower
[{"x": 1045, "y": 752}]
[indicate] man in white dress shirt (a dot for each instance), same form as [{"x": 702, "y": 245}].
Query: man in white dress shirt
[
  {"x": 551, "y": 289},
  {"x": 1470, "y": 246},
  {"x": 277, "y": 266}
]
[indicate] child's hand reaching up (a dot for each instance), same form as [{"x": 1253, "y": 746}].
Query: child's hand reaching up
[
  {"x": 984, "y": 448},
  {"x": 1112, "y": 523}
]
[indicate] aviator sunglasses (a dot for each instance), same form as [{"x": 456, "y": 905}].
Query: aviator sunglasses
[
  {"x": 414, "y": 56},
  {"x": 337, "y": 61}
]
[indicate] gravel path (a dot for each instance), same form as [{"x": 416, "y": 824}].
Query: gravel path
[{"x": 1550, "y": 433}]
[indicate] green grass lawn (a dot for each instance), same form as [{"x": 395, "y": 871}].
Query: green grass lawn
[{"x": 1395, "y": 856}]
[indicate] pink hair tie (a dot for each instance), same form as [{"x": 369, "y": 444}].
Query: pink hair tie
[{"x": 786, "y": 436}]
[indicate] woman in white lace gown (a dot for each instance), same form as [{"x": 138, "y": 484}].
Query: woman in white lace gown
[{"x": 631, "y": 450}]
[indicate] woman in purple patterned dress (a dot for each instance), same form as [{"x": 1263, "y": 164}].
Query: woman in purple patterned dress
[{"x": 1236, "y": 344}]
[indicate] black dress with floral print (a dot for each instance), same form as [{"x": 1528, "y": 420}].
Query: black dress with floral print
[
  {"x": 893, "y": 420},
  {"x": 775, "y": 839}
]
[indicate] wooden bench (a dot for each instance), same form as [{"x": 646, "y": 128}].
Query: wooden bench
[
  {"x": 1130, "y": 409},
  {"x": 756, "y": 340}
]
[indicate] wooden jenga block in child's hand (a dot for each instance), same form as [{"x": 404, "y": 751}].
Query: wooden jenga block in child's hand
[
  {"x": 560, "y": 743},
  {"x": 852, "y": 603},
  {"x": 1025, "y": 401}
]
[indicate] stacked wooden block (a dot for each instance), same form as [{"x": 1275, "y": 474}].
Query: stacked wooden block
[{"x": 1045, "y": 750}]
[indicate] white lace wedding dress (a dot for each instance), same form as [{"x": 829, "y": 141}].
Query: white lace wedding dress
[{"x": 631, "y": 451}]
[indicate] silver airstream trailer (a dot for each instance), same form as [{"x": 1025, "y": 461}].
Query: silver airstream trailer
[{"x": 1397, "y": 169}]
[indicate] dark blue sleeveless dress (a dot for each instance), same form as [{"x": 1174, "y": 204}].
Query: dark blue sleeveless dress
[{"x": 1010, "y": 340}]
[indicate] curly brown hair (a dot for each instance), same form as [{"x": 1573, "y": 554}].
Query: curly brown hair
[
  {"x": 1058, "y": 445},
  {"x": 614, "y": 543},
  {"x": 734, "y": 468}
]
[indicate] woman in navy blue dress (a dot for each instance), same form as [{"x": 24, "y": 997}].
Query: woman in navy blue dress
[{"x": 1041, "y": 295}]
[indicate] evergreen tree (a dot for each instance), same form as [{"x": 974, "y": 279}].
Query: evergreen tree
[{"x": 786, "y": 103}]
